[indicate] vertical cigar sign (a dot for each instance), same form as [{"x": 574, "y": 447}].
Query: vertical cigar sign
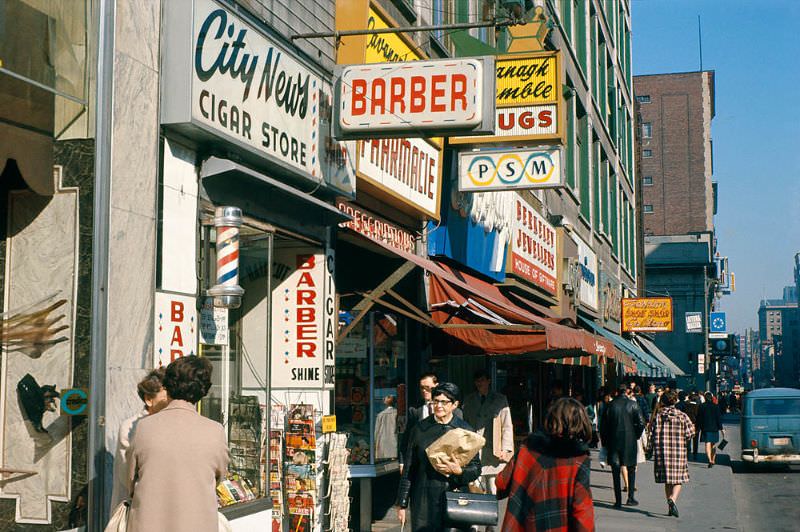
[{"x": 404, "y": 172}]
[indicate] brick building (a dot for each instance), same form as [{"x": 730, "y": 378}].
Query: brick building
[{"x": 676, "y": 149}]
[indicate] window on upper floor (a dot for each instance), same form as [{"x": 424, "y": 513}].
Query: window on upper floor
[
  {"x": 647, "y": 153},
  {"x": 647, "y": 130},
  {"x": 643, "y": 98},
  {"x": 647, "y": 180},
  {"x": 648, "y": 208}
]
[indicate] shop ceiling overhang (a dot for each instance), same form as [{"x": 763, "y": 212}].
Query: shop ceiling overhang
[
  {"x": 651, "y": 348},
  {"x": 478, "y": 315},
  {"x": 644, "y": 359},
  {"x": 226, "y": 172}
]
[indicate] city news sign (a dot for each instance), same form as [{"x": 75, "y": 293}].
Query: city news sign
[
  {"x": 415, "y": 98},
  {"x": 647, "y": 314},
  {"x": 510, "y": 170},
  {"x": 528, "y": 100}
]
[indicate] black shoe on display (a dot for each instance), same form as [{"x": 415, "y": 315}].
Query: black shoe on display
[
  {"x": 632, "y": 502},
  {"x": 673, "y": 509}
]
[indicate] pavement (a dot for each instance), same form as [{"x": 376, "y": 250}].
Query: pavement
[{"x": 706, "y": 503}]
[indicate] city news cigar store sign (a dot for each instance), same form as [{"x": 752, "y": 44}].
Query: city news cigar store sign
[
  {"x": 404, "y": 171},
  {"x": 528, "y": 103},
  {"x": 222, "y": 79},
  {"x": 445, "y": 96}
]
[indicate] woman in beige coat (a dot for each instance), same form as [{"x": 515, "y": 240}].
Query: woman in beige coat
[{"x": 177, "y": 457}]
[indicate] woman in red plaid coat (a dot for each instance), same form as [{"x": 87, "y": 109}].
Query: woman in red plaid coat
[
  {"x": 547, "y": 484},
  {"x": 669, "y": 432}
]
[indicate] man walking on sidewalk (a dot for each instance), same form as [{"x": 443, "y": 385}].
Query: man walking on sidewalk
[{"x": 621, "y": 427}]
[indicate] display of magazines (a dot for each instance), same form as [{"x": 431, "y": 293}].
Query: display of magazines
[
  {"x": 276, "y": 476},
  {"x": 299, "y": 467}
]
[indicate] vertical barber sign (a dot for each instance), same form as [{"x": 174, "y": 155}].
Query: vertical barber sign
[
  {"x": 175, "y": 328},
  {"x": 298, "y": 324}
]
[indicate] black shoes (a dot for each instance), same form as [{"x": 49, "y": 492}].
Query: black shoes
[
  {"x": 710, "y": 465},
  {"x": 617, "y": 505},
  {"x": 632, "y": 502},
  {"x": 673, "y": 510}
]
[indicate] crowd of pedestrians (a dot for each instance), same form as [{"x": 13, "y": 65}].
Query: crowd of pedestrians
[{"x": 546, "y": 482}]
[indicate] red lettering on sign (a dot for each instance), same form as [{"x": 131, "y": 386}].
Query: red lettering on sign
[
  {"x": 306, "y": 297},
  {"x": 458, "y": 91},
  {"x": 359, "y": 100},
  {"x": 306, "y": 349},
  {"x": 398, "y": 96},
  {"x": 305, "y": 315},
  {"x": 417, "y": 94},
  {"x": 176, "y": 311},
  {"x": 377, "y": 95},
  {"x": 175, "y": 353},
  {"x": 437, "y": 91},
  {"x": 177, "y": 337}
]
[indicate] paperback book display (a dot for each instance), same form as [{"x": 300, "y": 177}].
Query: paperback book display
[{"x": 300, "y": 470}]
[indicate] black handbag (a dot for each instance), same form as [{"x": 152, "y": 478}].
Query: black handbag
[{"x": 470, "y": 508}]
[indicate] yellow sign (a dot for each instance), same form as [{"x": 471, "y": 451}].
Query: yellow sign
[
  {"x": 386, "y": 47},
  {"x": 647, "y": 314},
  {"x": 527, "y": 80},
  {"x": 328, "y": 424},
  {"x": 529, "y": 100}
]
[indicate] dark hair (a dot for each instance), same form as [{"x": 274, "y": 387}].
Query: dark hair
[
  {"x": 622, "y": 388},
  {"x": 681, "y": 395},
  {"x": 481, "y": 373},
  {"x": 151, "y": 384},
  {"x": 566, "y": 418},
  {"x": 429, "y": 376},
  {"x": 637, "y": 390},
  {"x": 188, "y": 378},
  {"x": 448, "y": 389},
  {"x": 669, "y": 398},
  {"x": 709, "y": 396}
]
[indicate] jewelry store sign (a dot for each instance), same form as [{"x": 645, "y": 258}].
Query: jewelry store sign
[
  {"x": 533, "y": 247},
  {"x": 224, "y": 79},
  {"x": 510, "y": 170}
]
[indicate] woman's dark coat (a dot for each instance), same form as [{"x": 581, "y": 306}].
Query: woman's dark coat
[
  {"x": 709, "y": 418},
  {"x": 621, "y": 427},
  {"x": 421, "y": 485}
]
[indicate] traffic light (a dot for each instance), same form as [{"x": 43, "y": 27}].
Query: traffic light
[{"x": 722, "y": 347}]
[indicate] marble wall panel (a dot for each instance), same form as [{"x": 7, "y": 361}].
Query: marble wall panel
[
  {"x": 137, "y": 31},
  {"x": 42, "y": 254}
]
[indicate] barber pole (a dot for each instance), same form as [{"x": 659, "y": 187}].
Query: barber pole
[{"x": 227, "y": 293}]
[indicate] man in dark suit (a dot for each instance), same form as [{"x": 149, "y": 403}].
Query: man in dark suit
[
  {"x": 427, "y": 383},
  {"x": 620, "y": 429}
]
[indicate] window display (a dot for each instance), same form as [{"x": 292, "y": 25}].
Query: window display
[
  {"x": 240, "y": 355},
  {"x": 370, "y": 387}
]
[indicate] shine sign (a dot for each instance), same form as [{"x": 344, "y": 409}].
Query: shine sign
[
  {"x": 483, "y": 170},
  {"x": 415, "y": 98}
]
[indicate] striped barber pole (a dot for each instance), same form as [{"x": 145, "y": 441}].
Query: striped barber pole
[{"x": 228, "y": 256}]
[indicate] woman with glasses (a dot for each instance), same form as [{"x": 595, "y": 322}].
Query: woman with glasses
[{"x": 423, "y": 485}]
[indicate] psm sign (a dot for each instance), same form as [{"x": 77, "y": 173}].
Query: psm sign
[
  {"x": 509, "y": 170},
  {"x": 416, "y": 98}
]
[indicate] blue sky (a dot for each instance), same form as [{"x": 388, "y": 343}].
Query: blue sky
[{"x": 754, "y": 49}]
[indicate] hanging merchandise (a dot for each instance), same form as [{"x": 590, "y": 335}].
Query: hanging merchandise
[
  {"x": 338, "y": 500},
  {"x": 300, "y": 470}
]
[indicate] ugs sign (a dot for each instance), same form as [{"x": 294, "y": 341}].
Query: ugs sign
[{"x": 237, "y": 83}]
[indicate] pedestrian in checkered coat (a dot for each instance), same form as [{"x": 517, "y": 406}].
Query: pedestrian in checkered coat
[
  {"x": 669, "y": 432},
  {"x": 547, "y": 483}
]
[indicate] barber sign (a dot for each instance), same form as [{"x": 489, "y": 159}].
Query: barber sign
[{"x": 416, "y": 98}]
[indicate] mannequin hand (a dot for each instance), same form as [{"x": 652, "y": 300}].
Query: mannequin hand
[{"x": 401, "y": 515}]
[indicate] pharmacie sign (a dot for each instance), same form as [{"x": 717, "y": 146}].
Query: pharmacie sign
[
  {"x": 415, "y": 97},
  {"x": 533, "y": 247},
  {"x": 223, "y": 79},
  {"x": 510, "y": 169},
  {"x": 404, "y": 172},
  {"x": 529, "y": 103}
]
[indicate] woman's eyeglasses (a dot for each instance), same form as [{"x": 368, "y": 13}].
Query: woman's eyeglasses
[{"x": 442, "y": 402}]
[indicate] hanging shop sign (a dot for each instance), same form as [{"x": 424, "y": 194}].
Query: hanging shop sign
[
  {"x": 331, "y": 321},
  {"x": 528, "y": 100},
  {"x": 415, "y": 98},
  {"x": 298, "y": 319},
  {"x": 223, "y": 79},
  {"x": 533, "y": 247},
  {"x": 610, "y": 297},
  {"x": 588, "y": 293},
  {"x": 694, "y": 322},
  {"x": 405, "y": 173},
  {"x": 175, "y": 328},
  {"x": 647, "y": 314},
  {"x": 368, "y": 224},
  {"x": 518, "y": 169}
]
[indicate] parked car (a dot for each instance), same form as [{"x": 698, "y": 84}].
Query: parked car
[{"x": 771, "y": 426}]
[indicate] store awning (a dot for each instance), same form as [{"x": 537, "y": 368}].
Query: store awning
[
  {"x": 647, "y": 364},
  {"x": 653, "y": 349},
  {"x": 226, "y": 179},
  {"x": 478, "y": 315}
]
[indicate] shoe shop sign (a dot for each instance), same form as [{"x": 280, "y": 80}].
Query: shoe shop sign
[
  {"x": 224, "y": 80},
  {"x": 415, "y": 98}
]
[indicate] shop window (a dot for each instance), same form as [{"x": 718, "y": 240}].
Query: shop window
[
  {"x": 238, "y": 348},
  {"x": 372, "y": 357}
]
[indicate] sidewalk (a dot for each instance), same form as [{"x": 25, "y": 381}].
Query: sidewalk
[{"x": 706, "y": 502}]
